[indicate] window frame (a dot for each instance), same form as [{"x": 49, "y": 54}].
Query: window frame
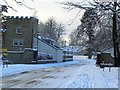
[
  {"x": 19, "y": 30},
  {"x": 19, "y": 42}
]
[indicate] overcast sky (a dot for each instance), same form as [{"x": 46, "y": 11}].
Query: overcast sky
[{"x": 46, "y": 9}]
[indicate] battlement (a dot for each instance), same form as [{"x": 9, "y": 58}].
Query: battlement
[{"x": 21, "y": 17}]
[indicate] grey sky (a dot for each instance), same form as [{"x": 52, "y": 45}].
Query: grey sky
[{"x": 46, "y": 9}]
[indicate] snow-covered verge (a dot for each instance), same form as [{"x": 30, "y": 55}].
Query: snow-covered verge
[
  {"x": 19, "y": 68},
  {"x": 90, "y": 76}
]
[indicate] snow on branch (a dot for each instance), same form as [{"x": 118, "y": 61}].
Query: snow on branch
[
  {"x": 71, "y": 5},
  {"x": 9, "y": 6},
  {"x": 21, "y": 3},
  {"x": 93, "y": 5}
]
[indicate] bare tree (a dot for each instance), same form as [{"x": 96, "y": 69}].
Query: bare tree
[
  {"x": 19, "y": 2},
  {"x": 103, "y": 6},
  {"x": 88, "y": 23},
  {"x": 52, "y": 29},
  {"x": 3, "y": 8},
  {"x": 73, "y": 38},
  {"x": 60, "y": 29}
]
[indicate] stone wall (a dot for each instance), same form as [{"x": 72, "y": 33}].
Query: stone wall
[{"x": 20, "y": 57}]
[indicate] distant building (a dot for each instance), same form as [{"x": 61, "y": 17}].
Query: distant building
[
  {"x": 18, "y": 38},
  {"x": 77, "y": 50}
]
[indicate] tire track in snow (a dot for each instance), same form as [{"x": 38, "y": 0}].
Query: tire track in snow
[{"x": 88, "y": 77}]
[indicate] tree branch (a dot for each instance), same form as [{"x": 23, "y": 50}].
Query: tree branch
[
  {"x": 70, "y": 4},
  {"x": 9, "y": 6},
  {"x": 72, "y": 20},
  {"x": 22, "y": 4},
  {"x": 19, "y": 3}
]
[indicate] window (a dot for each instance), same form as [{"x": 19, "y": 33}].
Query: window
[
  {"x": 19, "y": 30},
  {"x": 18, "y": 42},
  {"x": 15, "y": 42}
]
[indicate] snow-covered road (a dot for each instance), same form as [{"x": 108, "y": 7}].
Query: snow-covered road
[
  {"x": 89, "y": 76},
  {"x": 82, "y": 74}
]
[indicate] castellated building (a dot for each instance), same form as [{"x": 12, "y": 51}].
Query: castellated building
[{"x": 18, "y": 38}]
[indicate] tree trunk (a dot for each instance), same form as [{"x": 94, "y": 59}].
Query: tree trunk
[{"x": 115, "y": 44}]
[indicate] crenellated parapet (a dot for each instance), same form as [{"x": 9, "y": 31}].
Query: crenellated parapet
[{"x": 21, "y": 19}]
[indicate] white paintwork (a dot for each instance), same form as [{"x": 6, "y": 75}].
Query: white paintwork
[{"x": 45, "y": 48}]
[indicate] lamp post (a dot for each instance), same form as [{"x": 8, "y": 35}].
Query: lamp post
[
  {"x": 64, "y": 51},
  {"x": 37, "y": 38},
  {"x": 37, "y": 46}
]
